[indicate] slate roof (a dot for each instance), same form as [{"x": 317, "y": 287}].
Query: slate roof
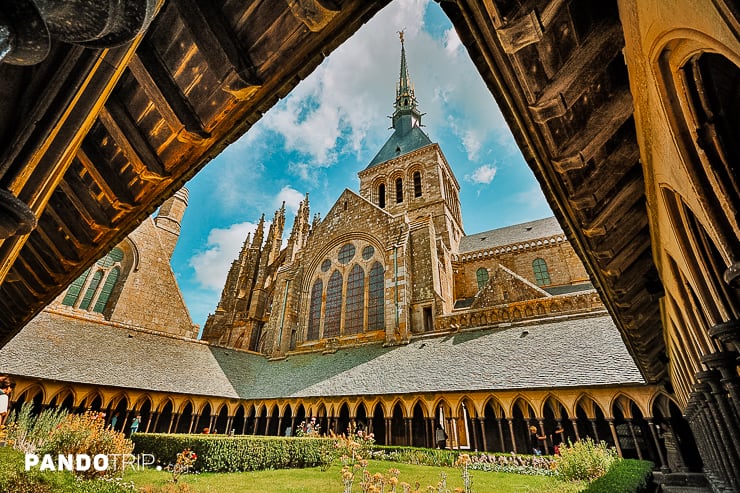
[
  {"x": 532, "y": 230},
  {"x": 400, "y": 143},
  {"x": 566, "y": 353}
]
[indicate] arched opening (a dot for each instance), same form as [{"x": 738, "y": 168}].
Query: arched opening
[
  {"x": 222, "y": 421},
  {"x": 34, "y": 396},
  {"x": 399, "y": 190},
  {"x": 419, "y": 429},
  {"x": 204, "y": 422},
  {"x": 272, "y": 425},
  {"x": 286, "y": 422},
  {"x": 299, "y": 418},
  {"x": 496, "y": 440},
  {"x": 381, "y": 195},
  {"x": 144, "y": 410},
  {"x": 558, "y": 427},
  {"x": 674, "y": 437},
  {"x": 591, "y": 422},
  {"x": 361, "y": 422},
  {"x": 184, "y": 422},
  {"x": 417, "y": 184},
  {"x": 398, "y": 426},
  {"x": 525, "y": 428},
  {"x": 343, "y": 421},
  {"x": 378, "y": 424},
  {"x": 238, "y": 424},
  {"x": 163, "y": 422}
]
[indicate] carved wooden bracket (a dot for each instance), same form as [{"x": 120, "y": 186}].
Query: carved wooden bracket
[{"x": 315, "y": 14}]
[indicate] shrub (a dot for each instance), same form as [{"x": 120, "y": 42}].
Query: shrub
[
  {"x": 28, "y": 433},
  {"x": 87, "y": 434},
  {"x": 584, "y": 460},
  {"x": 625, "y": 476},
  {"x": 237, "y": 453}
]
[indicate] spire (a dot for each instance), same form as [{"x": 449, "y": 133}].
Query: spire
[
  {"x": 405, "y": 104},
  {"x": 259, "y": 233}
]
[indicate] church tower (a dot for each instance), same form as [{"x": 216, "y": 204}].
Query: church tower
[{"x": 410, "y": 174}]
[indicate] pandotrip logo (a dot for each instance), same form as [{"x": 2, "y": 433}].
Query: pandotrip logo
[{"x": 85, "y": 462}]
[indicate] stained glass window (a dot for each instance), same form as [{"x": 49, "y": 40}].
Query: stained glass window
[
  {"x": 333, "y": 312},
  {"x": 375, "y": 308},
  {"x": 87, "y": 299},
  {"x": 314, "y": 314},
  {"x": 108, "y": 269},
  {"x": 110, "y": 282},
  {"x": 541, "y": 275},
  {"x": 354, "y": 309},
  {"x": 74, "y": 289},
  {"x": 482, "y": 276},
  {"x": 325, "y": 265}
]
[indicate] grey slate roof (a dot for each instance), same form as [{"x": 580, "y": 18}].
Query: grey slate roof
[
  {"x": 399, "y": 144},
  {"x": 532, "y": 230},
  {"x": 566, "y": 353}
]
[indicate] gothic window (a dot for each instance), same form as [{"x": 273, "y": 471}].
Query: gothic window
[
  {"x": 346, "y": 253},
  {"x": 325, "y": 265},
  {"x": 91, "y": 289},
  {"x": 333, "y": 312},
  {"x": 354, "y": 309},
  {"x": 375, "y": 305},
  {"x": 417, "y": 184},
  {"x": 107, "y": 271},
  {"x": 314, "y": 313},
  {"x": 110, "y": 282},
  {"x": 541, "y": 275},
  {"x": 381, "y": 196},
  {"x": 74, "y": 289},
  {"x": 399, "y": 190},
  {"x": 482, "y": 276}
]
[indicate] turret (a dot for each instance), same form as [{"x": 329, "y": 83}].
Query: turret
[{"x": 169, "y": 219}]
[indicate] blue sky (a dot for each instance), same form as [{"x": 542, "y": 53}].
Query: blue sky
[{"x": 327, "y": 129}]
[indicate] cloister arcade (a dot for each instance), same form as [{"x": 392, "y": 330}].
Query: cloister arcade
[{"x": 640, "y": 421}]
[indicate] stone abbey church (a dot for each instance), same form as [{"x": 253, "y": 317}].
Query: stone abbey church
[{"x": 383, "y": 313}]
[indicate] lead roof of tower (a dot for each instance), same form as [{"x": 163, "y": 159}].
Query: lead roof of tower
[{"x": 407, "y": 133}]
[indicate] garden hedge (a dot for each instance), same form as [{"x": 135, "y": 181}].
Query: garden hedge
[
  {"x": 220, "y": 453},
  {"x": 625, "y": 476}
]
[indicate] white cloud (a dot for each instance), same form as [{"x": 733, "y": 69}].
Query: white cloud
[
  {"x": 482, "y": 175},
  {"x": 290, "y": 196},
  {"x": 452, "y": 40},
  {"x": 224, "y": 244}
]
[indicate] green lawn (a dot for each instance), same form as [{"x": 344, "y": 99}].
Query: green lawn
[{"x": 313, "y": 480}]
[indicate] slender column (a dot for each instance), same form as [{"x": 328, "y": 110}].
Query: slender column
[
  {"x": 157, "y": 415},
  {"x": 175, "y": 420},
  {"x": 388, "y": 432},
  {"x": 541, "y": 422},
  {"x": 427, "y": 424},
  {"x": 615, "y": 436},
  {"x": 661, "y": 457},
  {"x": 559, "y": 425},
  {"x": 125, "y": 423},
  {"x": 501, "y": 434},
  {"x": 193, "y": 421},
  {"x": 482, "y": 422},
  {"x": 575, "y": 428},
  {"x": 229, "y": 422},
  {"x": 370, "y": 424},
  {"x": 634, "y": 437},
  {"x": 152, "y": 416},
  {"x": 212, "y": 423},
  {"x": 267, "y": 424},
  {"x": 452, "y": 434},
  {"x": 511, "y": 430},
  {"x": 719, "y": 396},
  {"x": 714, "y": 430},
  {"x": 254, "y": 427},
  {"x": 280, "y": 425},
  {"x": 596, "y": 431},
  {"x": 726, "y": 363},
  {"x": 292, "y": 424}
]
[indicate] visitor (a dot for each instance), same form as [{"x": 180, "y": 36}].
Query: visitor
[
  {"x": 135, "y": 424},
  {"x": 440, "y": 436},
  {"x": 113, "y": 422},
  {"x": 289, "y": 431},
  {"x": 7, "y": 384}
]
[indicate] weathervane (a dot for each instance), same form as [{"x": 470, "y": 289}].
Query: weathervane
[{"x": 400, "y": 34}]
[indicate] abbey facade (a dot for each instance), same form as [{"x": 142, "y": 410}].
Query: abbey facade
[{"x": 392, "y": 262}]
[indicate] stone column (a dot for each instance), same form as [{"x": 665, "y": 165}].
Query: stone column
[
  {"x": 153, "y": 416},
  {"x": 254, "y": 427},
  {"x": 229, "y": 422},
  {"x": 267, "y": 425},
  {"x": 174, "y": 421},
  {"x": 726, "y": 362},
  {"x": 559, "y": 425},
  {"x": 575, "y": 427},
  {"x": 615, "y": 436},
  {"x": 631, "y": 426},
  {"x": 501, "y": 434},
  {"x": 511, "y": 430},
  {"x": 407, "y": 428},
  {"x": 716, "y": 432},
  {"x": 280, "y": 425},
  {"x": 661, "y": 457},
  {"x": 541, "y": 422},
  {"x": 388, "y": 432},
  {"x": 482, "y": 422}
]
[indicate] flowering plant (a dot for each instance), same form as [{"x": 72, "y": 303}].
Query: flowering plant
[{"x": 184, "y": 462}]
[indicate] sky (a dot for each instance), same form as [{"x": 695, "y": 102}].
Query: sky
[{"x": 332, "y": 124}]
